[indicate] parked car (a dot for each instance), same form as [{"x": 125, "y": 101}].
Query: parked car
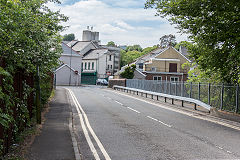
[{"x": 101, "y": 82}]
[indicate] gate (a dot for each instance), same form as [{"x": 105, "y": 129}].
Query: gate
[{"x": 89, "y": 78}]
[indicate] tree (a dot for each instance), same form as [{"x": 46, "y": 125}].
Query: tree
[
  {"x": 214, "y": 28},
  {"x": 29, "y": 38},
  {"x": 167, "y": 40},
  {"x": 128, "y": 72},
  {"x": 186, "y": 44},
  {"x": 111, "y": 44},
  {"x": 135, "y": 47},
  {"x": 129, "y": 56},
  {"x": 69, "y": 37}
]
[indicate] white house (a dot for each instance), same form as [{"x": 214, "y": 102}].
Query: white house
[
  {"x": 69, "y": 72},
  {"x": 98, "y": 61}
]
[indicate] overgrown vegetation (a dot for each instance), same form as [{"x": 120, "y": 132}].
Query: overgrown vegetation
[
  {"x": 29, "y": 37},
  {"x": 128, "y": 73}
]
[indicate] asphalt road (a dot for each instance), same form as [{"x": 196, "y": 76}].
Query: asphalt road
[{"x": 126, "y": 128}]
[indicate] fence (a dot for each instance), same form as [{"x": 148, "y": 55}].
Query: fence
[{"x": 223, "y": 97}]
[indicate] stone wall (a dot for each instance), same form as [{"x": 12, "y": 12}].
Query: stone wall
[{"x": 119, "y": 82}]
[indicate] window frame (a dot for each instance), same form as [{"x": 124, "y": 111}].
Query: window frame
[{"x": 158, "y": 78}]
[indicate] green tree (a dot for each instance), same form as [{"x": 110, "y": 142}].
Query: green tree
[
  {"x": 167, "y": 40},
  {"x": 135, "y": 47},
  {"x": 130, "y": 56},
  {"x": 186, "y": 44},
  {"x": 69, "y": 37},
  {"x": 213, "y": 27},
  {"x": 29, "y": 37},
  {"x": 111, "y": 44},
  {"x": 128, "y": 72}
]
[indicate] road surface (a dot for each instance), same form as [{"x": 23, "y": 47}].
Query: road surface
[{"x": 113, "y": 125}]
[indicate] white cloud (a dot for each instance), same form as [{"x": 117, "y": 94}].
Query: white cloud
[{"x": 123, "y": 25}]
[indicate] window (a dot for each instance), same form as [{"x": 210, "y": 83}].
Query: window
[
  {"x": 157, "y": 78},
  {"x": 85, "y": 65},
  {"x": 140, "y": 65},
  {"x": 174, "y": 79},
  {"x": 82, "y": 66},
  {"x": 172, "y": 67},
  {"x": 88, "y": 65},
  {"x": 110, "y": 66},
  {"x": 154, "y": 69},
  {"x": 110, "y": 57},
  {"x": 92, "y": 65}
]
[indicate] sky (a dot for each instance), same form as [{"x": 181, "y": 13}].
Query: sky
[{"x": 125, "y": 22}]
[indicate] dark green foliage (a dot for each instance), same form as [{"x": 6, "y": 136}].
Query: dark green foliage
[
  {"x": 128, "y": 72},
  {"x": 29, "y": 37},
  {"x": 130, "y": 54},
  {"x": 135, "y": 47},
  {"x": 214, "y": 27},
  {"x": 111, "y": 44},
  {"x": 69, "y": 37}
]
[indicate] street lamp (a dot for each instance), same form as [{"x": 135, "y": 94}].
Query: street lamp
[{"x": 70, "y": 77}]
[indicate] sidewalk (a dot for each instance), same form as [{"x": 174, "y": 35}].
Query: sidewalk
[{"x": 54, "y": 141}]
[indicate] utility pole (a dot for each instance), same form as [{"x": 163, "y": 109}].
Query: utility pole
[{"x": 70, "y": 77}]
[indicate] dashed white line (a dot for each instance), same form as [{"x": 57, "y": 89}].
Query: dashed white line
[
  {"x": 119, "y": 103},
  {"x": 152, "y": 118},
  {"x": 219, "y": 147},
  {"x": 229, "y": 152},
  {"x": 133, "y": 109},
  {"x": 159, "y": 121},
  {"x": 183, "y": 112}
]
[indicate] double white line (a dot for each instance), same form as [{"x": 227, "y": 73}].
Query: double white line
[{"x": 85, "y": 128}]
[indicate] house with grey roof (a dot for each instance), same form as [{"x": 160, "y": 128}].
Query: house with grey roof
[
  {"x": 69, "y": 71},
  {"x": 98, "y": 61}
]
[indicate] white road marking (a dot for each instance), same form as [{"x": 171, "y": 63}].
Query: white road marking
[
  {"x": 182, "y": 112},
  {"x": 105, "y": 154},
  {"x": 119, "y": 103},
  {"x": 159, "y": 121},
  {"x": 109, "y": 98},
  {"x": 152, "y": 118},
  {"x": 229, "y": 152},
  {"x": 89, "y": 141},
  {"x": 219, "y": 147},
  {"x": 133, "y": 109}
]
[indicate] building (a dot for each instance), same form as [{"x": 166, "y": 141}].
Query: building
[
  {"x": 98, "y": 61},
  {"x": 69, "y": 71},
  {"x": 166, "y": 66}
]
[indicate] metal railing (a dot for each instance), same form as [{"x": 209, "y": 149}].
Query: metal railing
[
  {"x": 165, "y": 96},
  {"x": 223, "y": 97}
]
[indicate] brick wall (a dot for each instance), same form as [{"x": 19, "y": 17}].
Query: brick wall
[{"x": 119, "y": 82}]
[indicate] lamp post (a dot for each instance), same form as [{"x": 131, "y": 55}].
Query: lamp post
[
  {"x": 97, "y": 65},
  {"x": 70, "y": 77}
]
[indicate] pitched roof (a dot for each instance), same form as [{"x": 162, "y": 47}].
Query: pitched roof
[
  {"x": 95, "y": 53},
  {"x": 64, "y": 65},
  {"x": 149, "y": 55},
  {"x": 80, "y": 45},
  {"x": 175, "y": 50},
  {"x": 67, "y": 50}
]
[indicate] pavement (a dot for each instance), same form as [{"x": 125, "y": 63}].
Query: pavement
[{"x": 54, "y": 141}]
